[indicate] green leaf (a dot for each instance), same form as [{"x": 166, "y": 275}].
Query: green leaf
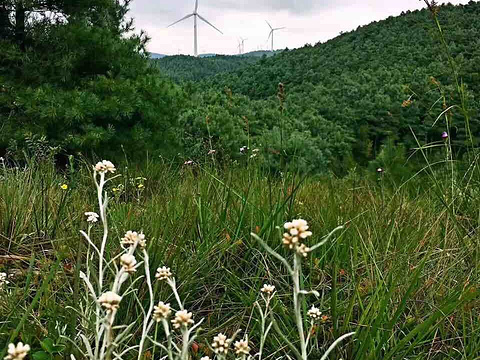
[
  {"x": 41, "y": 355},
  {"x": 48, "y": 345}
]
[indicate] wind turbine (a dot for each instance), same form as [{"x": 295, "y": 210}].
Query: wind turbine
[
  {"x": 195, "y": 15},
  {"x": 272, "y": 31},
  {"x": 243, "y": 44}
]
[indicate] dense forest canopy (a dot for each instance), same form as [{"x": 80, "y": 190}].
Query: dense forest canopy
[
  {"x": 70, "y": 72},
  {"x": 73, "y": 74}
]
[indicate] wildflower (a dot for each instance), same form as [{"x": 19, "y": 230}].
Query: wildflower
[
  {"x": 163, "y": 273},
  {"x": 212, "y": 152},
  {"x": 314, "y": 313},
  {"x": 3, "y": 279},
  {"x": 253, "y": 156},
  {"x": 161, "y": 311},
  {"x": 406, "y": 103},
  {"x": 297, "y": 231},
  {"x": 255, "y": 151},
  {"x": 183, "y": 318},
  {"x": 268, "y": 289},
  {"x": 221, "y": 344},
  {"x": 188, "y": 162},
  {"x": 141, "y": 186},
  {"x": 132, "y": 238},
  {"x": 64, "y": 186},
  {"x": 18, "y": 352},
  {"x": 444, "y": 135},
  {"x": 110, "y": 300},
  {"x": 303, "y": 250},
  {"x": 115, "y": 190},
  {"x": 241, "y": 347},
  {"x": 243, "y": 149},
  {"x": 128, "y": 263},
  {"x": 205, "y": 358},
  {"x": 105, "y": 166},
  {"x": 380, "y": 170},
  {"x": 92, "y": 217}
]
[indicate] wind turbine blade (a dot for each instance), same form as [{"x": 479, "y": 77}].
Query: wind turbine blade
[
  {"x": 201, "y": 17},
  {"x": 269, "y": 24},
  {"x": 185, "y": 17},
  {"x": 280, "y": 28},
  {"x": 270, "y": 35},
  {"x": 196, "y": 5}
]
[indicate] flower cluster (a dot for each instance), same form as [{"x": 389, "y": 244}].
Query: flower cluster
[
  {"x": 105, "y": 166},
  {"x": 221, "y": 344},
  {"x": 268, "y": 289},
  {"x": 183, "y": 318},
  {"x": 314, "y": 313},
  {"x": 161, "y": 311},
  {"x": 3, "y": 279},
  {"x": 132, "y": 238},
  {"x": 241, "y": 347},
  {"x": 296, "y": 233},
  {"x": 110, "y": 300},
  {"x": 163, "y": 273},
  {"x": 92, "y": 217},
  {"x": 128, "y": 263},
  {"x": 18, "y": 352}
]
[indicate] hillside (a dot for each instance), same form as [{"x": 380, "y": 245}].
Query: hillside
[
  {"x": 189, "y": 68},
  {"x": 362, "y": 80}
]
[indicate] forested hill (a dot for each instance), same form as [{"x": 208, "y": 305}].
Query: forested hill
[
  {"x": 363, "y": 80},
  {"x": 189, "y": 68}
]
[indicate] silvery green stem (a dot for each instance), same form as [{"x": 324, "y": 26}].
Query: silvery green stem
[
  {"x": 185, "y": 342},
  {"x": 330, "y": 349},
  {"x": 166, "y": 328},
  {"x": 172, "y": 283},
  {"x": 150, "y": 308},
  {"x": 297, "y": 264}
]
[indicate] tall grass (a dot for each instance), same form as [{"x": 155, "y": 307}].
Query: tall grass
[{"x": 402, "y": 274}]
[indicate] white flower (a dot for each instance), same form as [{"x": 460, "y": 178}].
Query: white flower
[
  {"x": 241, "y": 347},
  {"x": 188, "y": 162},
  {"x": 128, "y": 262},
  {"x": 182, "y": 318},
  {"x": 92, "y": 217},
  {"x": 221, "y": 344},
  {"x": 212, "y": 152},
  {"x": 17, "y": 352},
  {"x": 132, "y": 238},
  {"x": 268, "y": 289},
  {"x": 255, "y": 150},
  {"x": 243, "y": 149},
  {"x": 3, "y": 279},
  {"x": 105, "y": 166},
  {"x": 163, "y": 273},
  {"x": 161, "y": 311},
  {"x": 110, "y": 300},
  {"x": 303, "y": 250},
  {"x": 205, "y": 358},
  {"x": 297, "y": 231},
  {"x": 314, "y": 313}
]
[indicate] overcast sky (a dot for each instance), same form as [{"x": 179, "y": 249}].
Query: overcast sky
[{"x": 307, "y": 21}]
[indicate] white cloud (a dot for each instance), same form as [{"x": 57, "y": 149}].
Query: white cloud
[{"x": 307, "y": 21}]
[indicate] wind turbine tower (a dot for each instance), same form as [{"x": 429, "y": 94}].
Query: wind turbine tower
[
  {"x": 243, "y": 44},
  {"x": 272, "y": 32},
  {"x": 196, "y": 16}
]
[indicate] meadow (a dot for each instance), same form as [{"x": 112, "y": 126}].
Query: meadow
[
  {"x": 402, "y": 274},
  {"x": 281, "y": 210}
]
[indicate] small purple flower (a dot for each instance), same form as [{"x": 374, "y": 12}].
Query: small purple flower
[{"x": 444, "y": 135}]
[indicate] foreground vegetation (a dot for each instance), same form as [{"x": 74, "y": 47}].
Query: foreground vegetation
[{"x": 403, "y": 273}]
